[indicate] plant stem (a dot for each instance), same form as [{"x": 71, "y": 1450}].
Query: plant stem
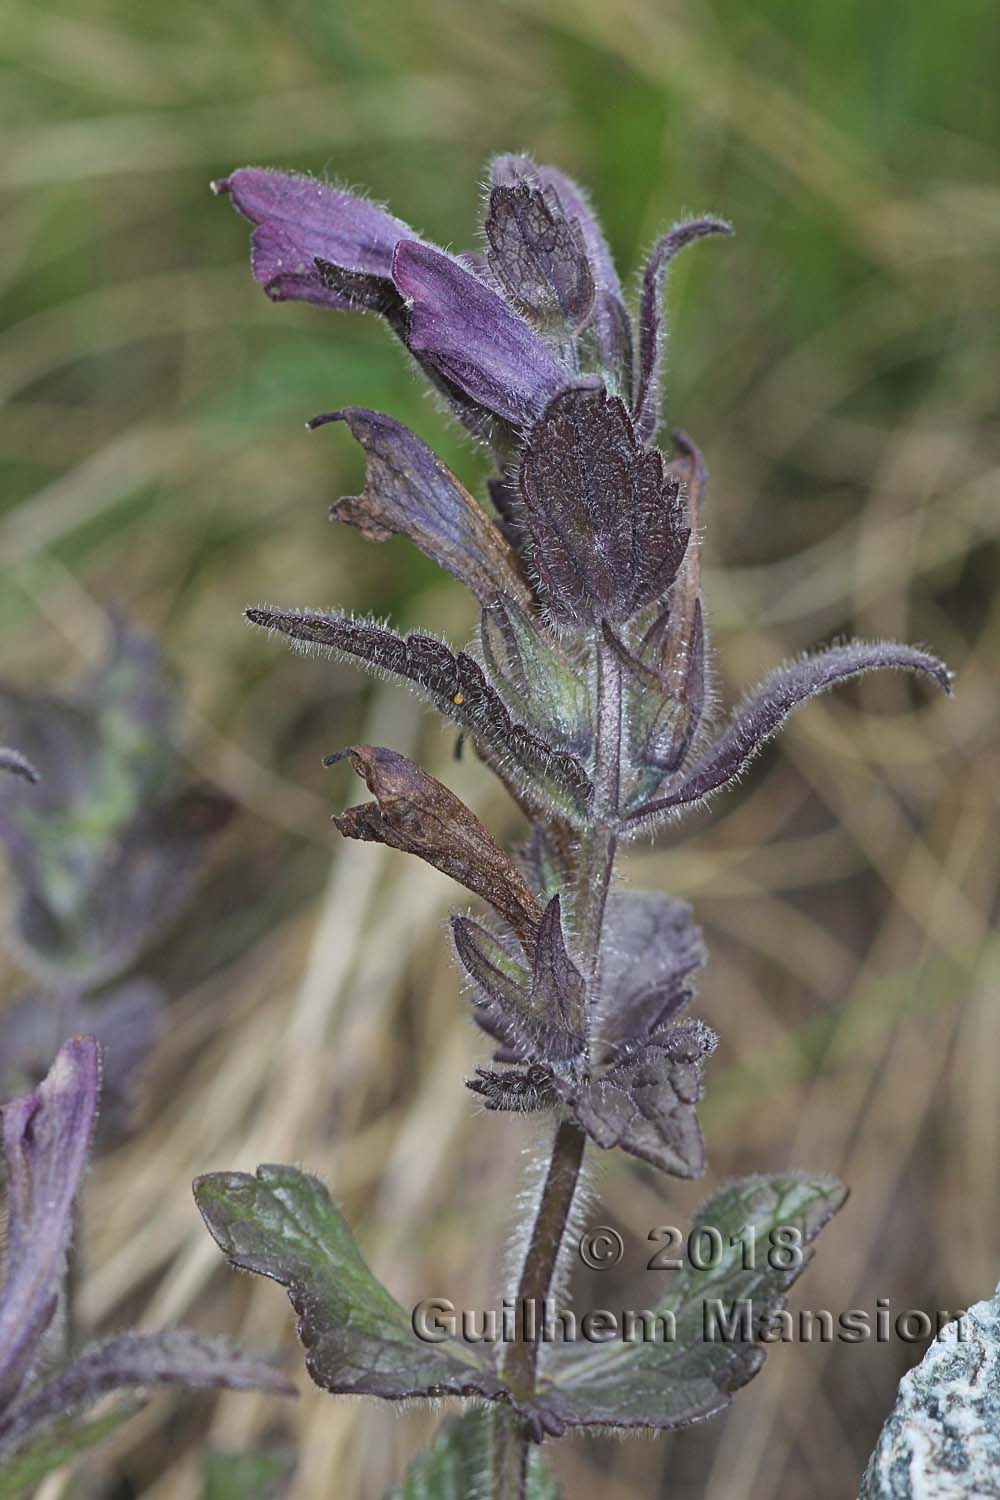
[
  {"x": 520, "y": 1363},
  {"x": 599, "y": 842},
  {"x": 598, "y": 846},
  {"x": 542, "y": 1254}
]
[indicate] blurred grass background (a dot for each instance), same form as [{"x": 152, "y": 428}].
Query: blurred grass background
[{"x": 837, "y": 362}]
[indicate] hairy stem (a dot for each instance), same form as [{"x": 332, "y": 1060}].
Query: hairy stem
[
  {"x": 542, "y": 1255},
  {"x": 510, "y": 1455},
  {"x": 595, "y": 869}
]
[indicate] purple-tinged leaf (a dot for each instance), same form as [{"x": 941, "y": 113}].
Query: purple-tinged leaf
[
  {"x": 539, "y": 259},
  {"x": 501, "y": 995},
  {"x": 125, "y": 1022},
  {"x": 537, "y": 1017},
  {"x": 674, "y": 646},
  {"x": 754, "y": 724},
  {"x": 46, "y": 1138},
  {"x": 613, "y": 331},
  {"x": 558, "y": 989},
  {"x": 605, "y": 518},
  {"x": 417, "y": 813},
  {"x": 299, "y": 220},
  {"x": 17, "y": 764},
  {"x": 137, "y": 1360},
  {"x": 457, "y": 687},
  {"x": 465, "y": 331},
  {"x": 645, "y": 1102},
  {"x": 631, "y": 1077},
  {"x": 685, "y": 1377},
  {"x": 651, "y": 329},
  {"x": 357, "y": 1339},
  {"x": 409, "y": 491},
  {"x": 650, "y": 947}
]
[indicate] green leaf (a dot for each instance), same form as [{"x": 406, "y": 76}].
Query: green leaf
[
  {"x": 744, "y": 1235},
  {"x": 460, "y": 1465},
  {"x": 537, "y": 683},
  {"x": 59, "y": 1446},
  {"x": 357, "y": 1339},
  {"x": 246, "y": 1476}
]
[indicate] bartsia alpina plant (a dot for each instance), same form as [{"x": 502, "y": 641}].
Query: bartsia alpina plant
[{"x": 588, "y": 692}]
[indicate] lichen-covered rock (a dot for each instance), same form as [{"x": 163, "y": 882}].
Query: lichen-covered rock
[{"x": 942, "y": 1441}]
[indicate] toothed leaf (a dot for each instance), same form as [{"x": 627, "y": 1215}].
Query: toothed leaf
[
  {"x": 650, "y": 947},
  {"x": 643, "y": 1098},
  {"x": 357, "y": 1339},
  {"x": 672, "y": 1383},
  {"x": 604, "y": 515}
]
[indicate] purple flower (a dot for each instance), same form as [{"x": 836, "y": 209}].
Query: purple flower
[
  {"x": 472, "y": 337},
  {"x": 298, "y": 221},
  {"x": 521, "y": 339}
]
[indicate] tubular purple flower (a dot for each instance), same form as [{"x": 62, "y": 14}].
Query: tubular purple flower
[
  {"x": 469, "y": 335},
  {"x": 299, "y": 220}
]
